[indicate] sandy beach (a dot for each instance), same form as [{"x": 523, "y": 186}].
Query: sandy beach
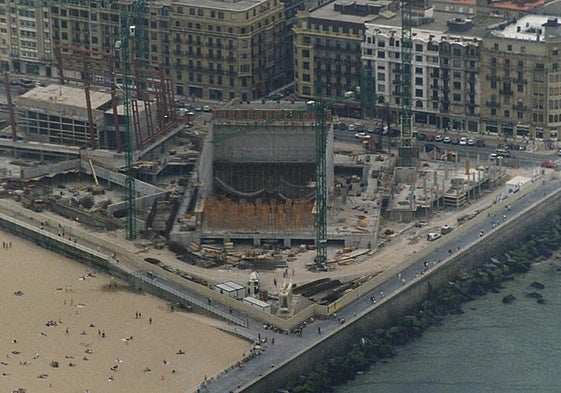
[{"x": 57, "y": 312}]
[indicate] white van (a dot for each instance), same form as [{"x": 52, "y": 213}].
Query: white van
[
  {"x": 433, "y": 236},
  {"x": 502, "y": 152}
]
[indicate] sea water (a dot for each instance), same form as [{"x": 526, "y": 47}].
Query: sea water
[{"x": 492, "y": 347}]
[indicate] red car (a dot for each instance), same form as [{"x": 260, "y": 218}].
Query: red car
[{"x": 548, "y": 164}]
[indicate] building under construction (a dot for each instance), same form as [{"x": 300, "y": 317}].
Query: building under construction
[{"x": 256, "y": 179}]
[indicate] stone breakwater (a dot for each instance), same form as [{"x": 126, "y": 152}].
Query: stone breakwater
[{"x": 466, "y": 286}]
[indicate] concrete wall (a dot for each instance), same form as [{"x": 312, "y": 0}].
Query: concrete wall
[
  {"x": 50, "y": 169},
  {"x": 268, "y": 144},
  {"x": 388, "y": 310}
]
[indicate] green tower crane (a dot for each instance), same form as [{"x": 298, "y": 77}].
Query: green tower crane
[
  {"x": 321, "y": 185},
  {"x": 406, "y": 150},
  {"x": 130, "y": 46},
  {"x": 127, "y": 35}
]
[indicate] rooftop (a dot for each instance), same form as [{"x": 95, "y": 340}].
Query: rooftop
[
  {"x": 529, "y": 27},
  {"x": 67, "y": 95},
  {"x": 439, "y": 24},
  {"x": 283, "y": 104},
  {"x": 328, "y": 11},
  {"x": 227, "y": 5}
]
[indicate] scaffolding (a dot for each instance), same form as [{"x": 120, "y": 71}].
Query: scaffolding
[{"x": 258, "y": 216}]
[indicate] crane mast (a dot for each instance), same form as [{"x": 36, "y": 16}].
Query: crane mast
[
  {"x": 126, "y": 46},
  {"x": 406, "y": 143},
  {"x": 321, "y": 185}
]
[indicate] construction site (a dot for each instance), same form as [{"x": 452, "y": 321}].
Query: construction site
[{"x": 249, "y": 185}]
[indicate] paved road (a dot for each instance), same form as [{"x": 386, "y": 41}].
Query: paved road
[{"x": 288, "y": 345}]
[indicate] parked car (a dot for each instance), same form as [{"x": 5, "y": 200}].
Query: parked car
[
  {"x": 360, "y": 127},
  {"x": 446, "y": 139},
  {"x": 206, "y": 108},
  {"x": 480, "y": 143},
  {"x": 455, "y": 141},
  {"x": 463, "y": 141},
  {"x": 470, "y": 142},
  {"x": 548, "y": 164},
  {"x": 362, "y": 135},
  {"x": 351, "y": 127},
  {"x": 342, "y": 126},
  {"x": 421, "y": 136},
  {"x": 439, "y": 138},
  {"x": 433, "y": 236}
]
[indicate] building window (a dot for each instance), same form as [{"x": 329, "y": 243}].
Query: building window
[
  {"x": 418, "y": 47},
  {"x": 418, "y": 92},
  {"x": 493, "y": 112},
  {"x": 381, "y": 54},
  {"x": 418, "y": 81},
  {"x": 418, "y": 70},
  {"x": 520, "y": 88},
  {"x": 381, "y": 76},
  {"x": 457, "y": 97},
  {"x": 457, "y": 85},
  {"x": 507, "y": 113},
  {"x": 520, "y": 115}
]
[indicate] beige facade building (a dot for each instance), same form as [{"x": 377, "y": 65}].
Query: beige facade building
[
  {"x": 25, "y": 37},
  {"x": 445, "y": 72},
  {"x": 327, "y": 43},
  {"x": 521, "y": 78},
  {"x": 215, "y": 49}
]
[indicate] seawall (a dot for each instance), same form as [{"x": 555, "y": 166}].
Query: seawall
[{"x": 390, "y": 309}]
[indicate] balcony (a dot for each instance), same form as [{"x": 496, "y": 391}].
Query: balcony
[
  {"x": 519, "y": 107},
  {"x": 492, "y": 104},
  {"x": 508, "y": 92},
  {"x": 494, "y": 78}
]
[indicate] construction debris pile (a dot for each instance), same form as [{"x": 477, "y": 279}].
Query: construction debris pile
[{"x": 208, "y": 256}]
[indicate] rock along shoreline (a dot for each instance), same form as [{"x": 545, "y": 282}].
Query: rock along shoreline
[{"x": 449, "y": 300}]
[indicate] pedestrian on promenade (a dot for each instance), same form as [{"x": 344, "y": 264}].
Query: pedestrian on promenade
[{"x": 319, "y": 330}]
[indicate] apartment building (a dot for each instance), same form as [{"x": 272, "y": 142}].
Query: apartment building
[
  {"x": 445, "y": 71},
  {"x": 217, "y": 49},
  {"x": 521, "y": 78},
  {"x": 327, "y": 47},
  {"x": 25, "y": 37}
]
